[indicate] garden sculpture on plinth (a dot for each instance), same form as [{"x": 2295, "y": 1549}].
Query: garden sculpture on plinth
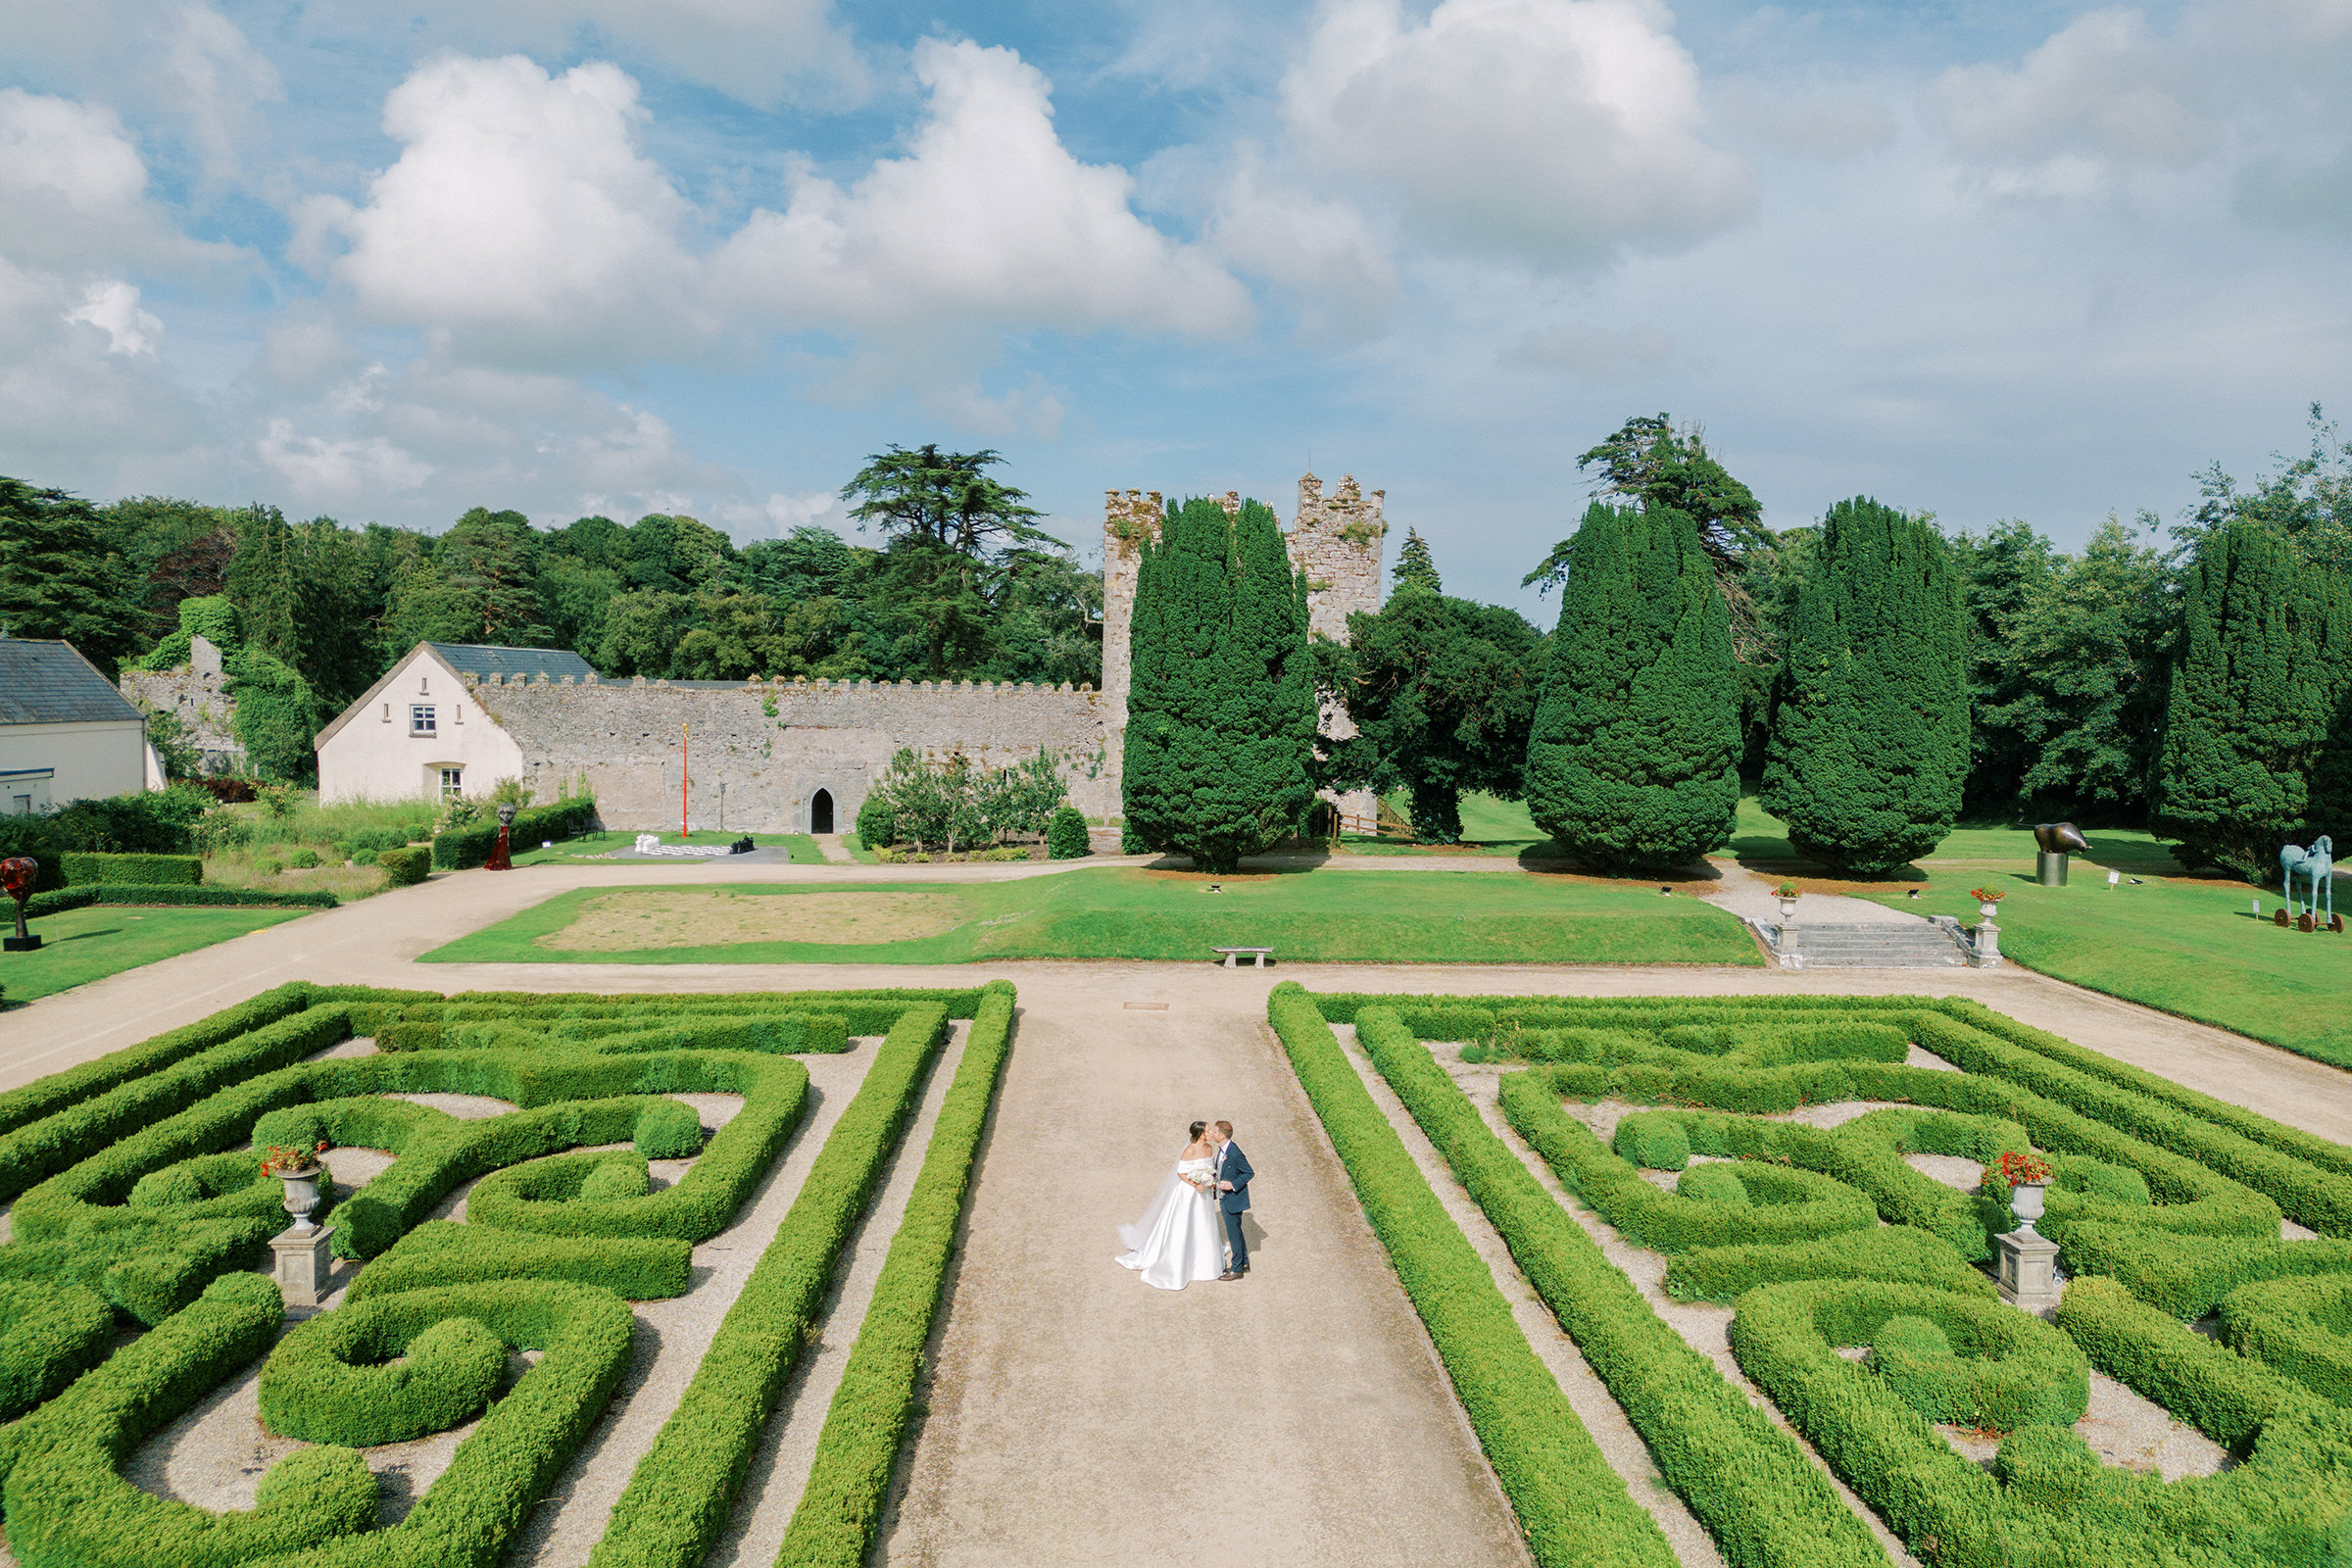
[
  {"x": 500, "y": 858},
  {"x": 17, "y": 878},
  {"x": 2318, "y": 865},
  {"x": 2052, "y": 842}
]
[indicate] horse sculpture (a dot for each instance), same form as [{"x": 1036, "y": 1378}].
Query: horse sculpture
[{"x": 2318, "y": 865}]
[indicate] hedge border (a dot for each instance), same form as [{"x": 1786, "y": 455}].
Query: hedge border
[
  {"x": 1572, "y": 1507},
  {"x": 680, "y": 1497},
  {"x": 833, "y": 1526}
]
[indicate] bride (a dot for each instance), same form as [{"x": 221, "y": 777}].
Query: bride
[{"x": 1178, "y": 1240}]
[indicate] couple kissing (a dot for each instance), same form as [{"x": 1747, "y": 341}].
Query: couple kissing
[{"x": 1193, "y": 1228}]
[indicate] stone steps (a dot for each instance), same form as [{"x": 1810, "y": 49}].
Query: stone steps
[{"x": 1881, "y": 946}]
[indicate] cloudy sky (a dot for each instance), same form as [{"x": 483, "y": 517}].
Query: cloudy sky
[{"x": 390, "y": 258}]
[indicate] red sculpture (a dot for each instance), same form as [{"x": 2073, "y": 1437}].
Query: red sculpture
[{"x": 16, "y": 879}]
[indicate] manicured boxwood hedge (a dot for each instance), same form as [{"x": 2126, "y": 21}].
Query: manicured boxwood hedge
[
  {"x": 1573, "y": 1508},
  {"x": 1752, "y": 1487},
  {"x": 856, "y": 1450},
  {"x": 173, "y": 896},
  {"x": 405, "y": 867},
  {"x": 147, "y": 870},
  {"x": 679, "y": 1496},
  {"x": 464, "y": 846},
  {"x": 2173, "y": 1196},
  {"x": 335, "y": 1379}
]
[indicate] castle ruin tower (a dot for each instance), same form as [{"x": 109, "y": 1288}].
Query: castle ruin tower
[{"x": 1336, "y": 541}]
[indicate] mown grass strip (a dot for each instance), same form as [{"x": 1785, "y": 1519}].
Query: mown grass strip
[
  {"x": 834, "y": 1524},
  {"x": 1747, "y": 1480},
  {"x": 1573, "y": 1508},
  {"x": 680, "y": 1497}
]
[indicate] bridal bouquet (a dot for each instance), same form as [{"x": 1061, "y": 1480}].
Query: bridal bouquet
[{"x": 1204, "y": 1183}]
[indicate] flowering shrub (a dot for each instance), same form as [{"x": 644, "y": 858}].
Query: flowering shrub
[
  {"x": 2023, "y": 1170},
  {"x": 1986, "y": 895}
]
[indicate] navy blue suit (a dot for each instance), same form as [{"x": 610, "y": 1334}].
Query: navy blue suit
[{"x": 1234, "y": 1166}]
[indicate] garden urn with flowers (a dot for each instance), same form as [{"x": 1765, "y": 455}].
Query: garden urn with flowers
[
  {"x": 1989, "y": 935},
  {"x": 300, "y": 1169},
  {"x": 1786, "y": 893},
  {"x": 2028, "y": 1177}
]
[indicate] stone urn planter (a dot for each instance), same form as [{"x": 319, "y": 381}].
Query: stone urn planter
[
  {"x": 299, "y": 1170},
  {"x": 2025, "y": 1198},
  {"x": 1787, "y": 911},
  {"x": 2028, "y": 1178}
]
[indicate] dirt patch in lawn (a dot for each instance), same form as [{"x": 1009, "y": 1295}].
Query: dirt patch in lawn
[{"x": 622, "y": 922}]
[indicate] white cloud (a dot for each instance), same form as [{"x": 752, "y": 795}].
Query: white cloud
[
  {"x": 745, "y": 520},
  {"x": 520, "y": 219},
  {"x": 2102, "y": 92},
  {"x": 1323, "y": 253},
  {"x": 320, "y": 472},
  {"x": 1559, "y": 131},
  {"x": 217, "y": 82},
  {"x": 114, "y": 309},
  {"x": 989, "y": 219},
  {"x": 1594, "y": 351}
]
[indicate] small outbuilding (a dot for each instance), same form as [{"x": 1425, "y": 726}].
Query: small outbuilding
[
  {"x": 420, "y": 730},
  {"x": 65, "y": 734}
]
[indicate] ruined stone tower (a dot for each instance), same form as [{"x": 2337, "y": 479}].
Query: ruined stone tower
[{"x": 1336, "y": 540}]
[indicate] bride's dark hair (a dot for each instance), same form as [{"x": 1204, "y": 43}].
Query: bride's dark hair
[{"x": 1199, "y": 1128}]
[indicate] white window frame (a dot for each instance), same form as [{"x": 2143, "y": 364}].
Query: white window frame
[
  {"x": 452, "y": 783},
  {"x": 420, "y": 720}
]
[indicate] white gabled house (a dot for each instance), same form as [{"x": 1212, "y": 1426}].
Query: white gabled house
[
  {"x": 418, "y": 730},
  {"x": 64, "y": 733}
]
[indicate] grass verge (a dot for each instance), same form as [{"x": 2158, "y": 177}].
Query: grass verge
[
  {"x": 79, "y": 946},
  {"x": 1124, "y": 912}
]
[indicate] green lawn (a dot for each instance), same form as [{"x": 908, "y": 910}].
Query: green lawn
[
  {"x": 84, "y": 945},
  {"x": 1121, "y": 912},
  {"x": 1490, "y": 826},
  {"x": 1759, "y": 838},
  {"x": 588, "y": 846},
  {"x": 2188, "y": 946}
]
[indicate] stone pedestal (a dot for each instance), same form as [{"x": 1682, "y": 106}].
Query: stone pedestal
[
  {"x": 301, "y": 1263},
  {"x": 1989, "y": 944},
  {"x": 2029, "y": 1270},
  {"x": 2050, "y": 867}
]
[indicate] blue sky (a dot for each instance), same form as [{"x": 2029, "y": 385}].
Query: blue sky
[{"x": 390, "y": 261}]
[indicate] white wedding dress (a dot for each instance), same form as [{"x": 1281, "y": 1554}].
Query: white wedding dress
[{"x": 1179, "y": 1239}]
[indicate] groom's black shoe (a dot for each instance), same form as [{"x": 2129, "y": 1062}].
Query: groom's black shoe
[{"x": 1229, "y": 1274}]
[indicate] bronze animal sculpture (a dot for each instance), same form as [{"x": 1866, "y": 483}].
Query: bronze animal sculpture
[{"x": 2058, "y": 838}]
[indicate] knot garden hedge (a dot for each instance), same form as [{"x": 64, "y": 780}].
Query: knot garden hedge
[
  {"x": 138, "y": 1201},
  {"x": 2167, "y": 1204}
]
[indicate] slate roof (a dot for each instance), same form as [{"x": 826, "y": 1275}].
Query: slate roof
[
  {"x": 472, "y": 658},
  {"x": 51, "y": 683}
]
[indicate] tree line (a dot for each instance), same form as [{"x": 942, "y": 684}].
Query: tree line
[
  {"x": 1875, "y": 679},
  {"x": 957, "y": 584}
]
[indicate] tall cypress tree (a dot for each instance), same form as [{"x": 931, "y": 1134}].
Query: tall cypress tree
[
  {"x": 1869, "y": 747},
  {"x": 1221, "y": 696},
  {"x": 1634, "y": 756},
  {"x": 2255, "y": 682}
]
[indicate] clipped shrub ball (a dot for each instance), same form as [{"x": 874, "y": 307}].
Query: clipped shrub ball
[
  {"x": 303, "y": 859},
  {"x": 335, "y": 1379},
  {"x": 1065, "y": 835},
  {"x": 266, "y": 867},
  {"x": 1714, "y": 1182},
  {"x": 1653, "y": 1142},
  {"x": 666, "y": 1129},
  {"x": 405, "y": 867}
]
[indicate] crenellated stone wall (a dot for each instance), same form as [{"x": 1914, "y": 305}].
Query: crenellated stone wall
[{"x": 756, "y": 754}]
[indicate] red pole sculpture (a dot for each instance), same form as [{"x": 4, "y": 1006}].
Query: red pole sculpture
[
  {"x": 500, "y": 859},
  {"x": 16, "y": 879},
  {"x": 684, "y": 739}
]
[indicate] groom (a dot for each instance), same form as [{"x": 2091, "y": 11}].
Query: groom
[{"x": 1233, "y": 1196}]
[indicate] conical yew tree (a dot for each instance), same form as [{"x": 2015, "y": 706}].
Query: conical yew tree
[
  {"x": 1870, "y": 740},
  {"x": 2256, "y": 683},
  {"x": 1221, "y": 696},
  {"x": 1634, "y": 758}
]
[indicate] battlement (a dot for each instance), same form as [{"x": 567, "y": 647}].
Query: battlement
[{"x": 1337, "y": 540}]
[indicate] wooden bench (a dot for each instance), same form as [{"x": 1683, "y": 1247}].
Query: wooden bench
[{"x": 1257, "y": 956}]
